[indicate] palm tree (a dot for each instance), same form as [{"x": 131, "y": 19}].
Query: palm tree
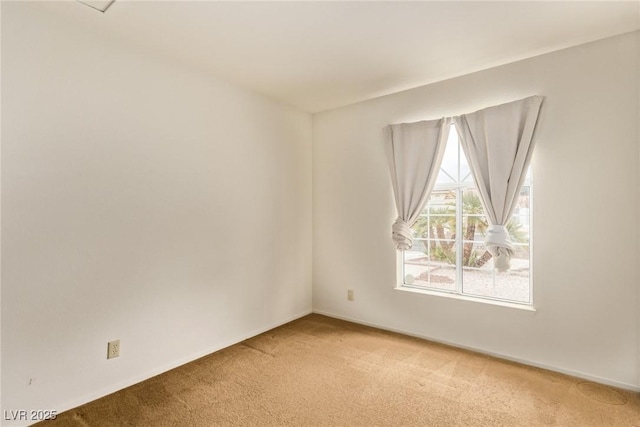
[
  {"x": 472, "y": 206},
  {"x": 440, "y": 226}
]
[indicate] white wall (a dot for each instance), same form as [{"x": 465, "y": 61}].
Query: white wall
[
  {"x": 586, "y": 212},
  {"x": 141, "y": 201},
  {"x": 638, "y": 188}
]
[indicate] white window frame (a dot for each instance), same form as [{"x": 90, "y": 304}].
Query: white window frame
[{"x": 458, "y": 292}]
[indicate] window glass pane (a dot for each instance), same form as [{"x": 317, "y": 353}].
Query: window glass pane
[
  {"x": 418, "y": 250},
  {"x": 442, "y": 271},
  {"x": 440, "y": 223},
  {"x": 523, "y": 200},
  {"x": 478, "y": 281},
  {"x": 452, "y": 229},
  {"x": 471, "y": 203},
  {"x": 416, "y": 262},
  {"x": 443, "y": 277},
  {"x": 442, "y": 198},
  {"x": 465, "y": 170},
  {"x": 434, "y": 271},
  {"x": 520, "y": 258},
  {"x": 442, "y": 251},
  {"x": 475, "y": 255},
  {"x": 444, "y": 177},
  {"x": 449, "y": 168},
  {"x": 512, "y": 285},
  {"x": 435, "y": 227},
  {"x": 508, "y": 286},
  {"x": 431, "y": 262},
  {"x": 474, "y": 227},
  {"x": 442, "y": 228},
  {"x": 518, "y": 229},
  {"x": 519, "y": 225}
]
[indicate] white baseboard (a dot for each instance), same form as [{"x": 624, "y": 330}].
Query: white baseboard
[
  {"x": 577, "y": 374},
  {"x": 157, "y": 371}
]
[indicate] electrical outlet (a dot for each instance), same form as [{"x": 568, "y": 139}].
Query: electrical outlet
[
  {"x": 113, "y": 349},
  {"x": 349, "y": 294}
]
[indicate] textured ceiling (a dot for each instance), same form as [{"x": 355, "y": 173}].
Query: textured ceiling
[{"x": 322, "y": 55}]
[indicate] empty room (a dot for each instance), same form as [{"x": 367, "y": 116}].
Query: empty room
[{"x": 326, "y": 213}]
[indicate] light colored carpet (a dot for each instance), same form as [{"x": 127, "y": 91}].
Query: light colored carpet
[{"x": 322, "y": 371}]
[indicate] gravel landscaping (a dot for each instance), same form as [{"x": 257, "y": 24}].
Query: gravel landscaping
[{"x": 512, "y": 285}]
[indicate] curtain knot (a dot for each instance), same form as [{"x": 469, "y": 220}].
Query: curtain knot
[
  {"x": 402, "y": 234},
  {"x": 499, "y": 246}
]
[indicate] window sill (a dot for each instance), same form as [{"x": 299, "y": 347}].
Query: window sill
[{"x": 525, "y": 307}]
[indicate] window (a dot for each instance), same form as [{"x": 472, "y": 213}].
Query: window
[{"x": 448, "y": 253}]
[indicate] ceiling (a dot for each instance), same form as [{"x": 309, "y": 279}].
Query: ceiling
[{"x": 322, "y": 55}]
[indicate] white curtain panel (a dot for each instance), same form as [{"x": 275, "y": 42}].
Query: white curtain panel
[
  {"x": 498, "y": 142},
  {"x": 414, "y": 152}
]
